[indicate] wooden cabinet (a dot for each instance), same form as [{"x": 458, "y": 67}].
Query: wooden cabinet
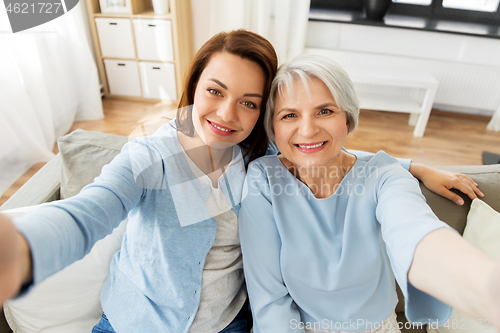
[{"x": 140, "y": 54}]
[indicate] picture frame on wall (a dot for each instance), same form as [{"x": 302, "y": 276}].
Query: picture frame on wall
[{"x": 115, "y": 6}]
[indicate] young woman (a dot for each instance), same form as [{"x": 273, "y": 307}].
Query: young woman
[
  {"x": 179, "y": 268},
  {"x": 332, "y": 229}
]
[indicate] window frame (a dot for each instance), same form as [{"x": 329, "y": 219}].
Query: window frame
[
  {"x": 433, "y": 11},
  {"x": 338, "y": 4}
]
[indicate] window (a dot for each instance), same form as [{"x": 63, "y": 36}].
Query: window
[
  {"x": 475, "y": 11},
  {"x": 476, "y": 5},
  {"x": 338, "y": 4}
]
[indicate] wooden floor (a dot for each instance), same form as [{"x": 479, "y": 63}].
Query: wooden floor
[{"x": 450, "y": 138}]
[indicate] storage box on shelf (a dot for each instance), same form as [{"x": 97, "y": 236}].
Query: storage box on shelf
[
  {"x": 115, "y": 37},
  {"x": 123, "y": 77},
  {"x": 154, "y": 39},
  {"x": 140, "y": 54},
  {"x": 157, "y": 80}
]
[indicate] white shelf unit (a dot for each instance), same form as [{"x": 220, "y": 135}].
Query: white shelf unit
[{"x": 141, "y": 39}]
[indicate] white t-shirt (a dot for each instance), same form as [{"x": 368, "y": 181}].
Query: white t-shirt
[{"x": 222, "y": 293}]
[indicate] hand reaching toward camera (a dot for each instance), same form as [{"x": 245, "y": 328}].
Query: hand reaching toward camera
[
  {"x": 494, "y": 292},
  {"x": 441, "y": 182},
  {"x": 15, "y": 260}
]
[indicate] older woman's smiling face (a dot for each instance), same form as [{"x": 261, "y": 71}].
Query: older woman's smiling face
[{"x": 310, "y": 130}]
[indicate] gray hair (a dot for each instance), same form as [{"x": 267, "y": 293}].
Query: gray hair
[{"x": 305, "y": 67}]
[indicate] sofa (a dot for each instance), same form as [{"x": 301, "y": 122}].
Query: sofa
[{"x": 81, "y": 157}]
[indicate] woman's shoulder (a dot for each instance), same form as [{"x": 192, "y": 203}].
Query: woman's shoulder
[
  {"x": 380, "y": 158},
  {"x": 264, "y": 162},
  {"x": 266, "y": 170},
  {"x": 164, "y": 139},
  {"x": 378, "y": 166},
  {"x": 167, "y": 131}
]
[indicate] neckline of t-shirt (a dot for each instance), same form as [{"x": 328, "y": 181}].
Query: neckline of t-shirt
[
  {"x": 188, "y": 161},
  {"x": 200, "y": 174}
]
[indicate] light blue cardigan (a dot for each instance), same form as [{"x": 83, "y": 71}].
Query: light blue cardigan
[{"x": 155, "y": 279}]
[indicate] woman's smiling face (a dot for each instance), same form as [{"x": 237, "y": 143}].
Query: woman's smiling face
[
  {"x": 310, "y": 130},
  {"x": 227, "y": 100}
]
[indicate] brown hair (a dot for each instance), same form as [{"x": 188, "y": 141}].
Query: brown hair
[{"x": 247, "y": 45}]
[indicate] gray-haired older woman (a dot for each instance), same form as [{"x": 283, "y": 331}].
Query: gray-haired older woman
[{"x": 324, "y": 232}]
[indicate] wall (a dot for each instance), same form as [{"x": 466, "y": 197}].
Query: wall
[
  {"x": 467, "y": 67},
  {"x": 212, "y": 16}
]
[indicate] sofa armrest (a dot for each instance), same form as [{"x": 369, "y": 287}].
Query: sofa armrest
[{"x": 42, "y": 187}]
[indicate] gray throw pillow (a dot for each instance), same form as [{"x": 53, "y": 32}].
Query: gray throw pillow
[{"x": 83, "y": 154}]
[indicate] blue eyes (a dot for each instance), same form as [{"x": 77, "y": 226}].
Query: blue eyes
[{"x": 326, "y": 111}]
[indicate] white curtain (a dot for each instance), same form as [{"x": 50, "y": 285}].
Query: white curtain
[
  {"x": 282, "y": 22},
  {"x": 48, "y": 79}
]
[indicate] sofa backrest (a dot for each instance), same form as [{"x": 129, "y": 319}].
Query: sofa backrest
[{"x": 488, "y": 179}]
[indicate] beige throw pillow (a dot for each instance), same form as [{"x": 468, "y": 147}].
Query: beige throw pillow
[
  {"x": 482, "y": 231},
  {"x": 83, "y": 154}
]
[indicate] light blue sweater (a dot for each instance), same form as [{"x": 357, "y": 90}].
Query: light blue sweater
[{"x": 331, "y": 262}]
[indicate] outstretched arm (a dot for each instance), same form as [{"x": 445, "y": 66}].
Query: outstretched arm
[
  {"x": 494, "y": 291},
  {"x": 441, "y": 182},
  {"x": 52, "y": 237},
  {"x": 455, "y": 272},
  {"x": 15, "y": 260}
]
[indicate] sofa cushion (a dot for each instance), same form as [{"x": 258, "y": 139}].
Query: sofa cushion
[
  {"x": 483, "y": 228},
  {"x": 482, "y": 231},
  {"x": 68, "y": 301},
  {"x": 83, "y": 154}
]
